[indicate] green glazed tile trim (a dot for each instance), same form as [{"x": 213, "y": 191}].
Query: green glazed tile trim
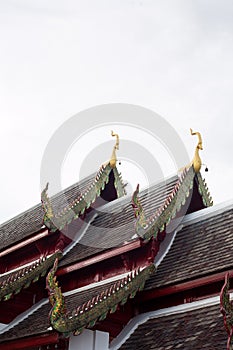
[
  {"x": 203, "y": 190},
  {"x": 148, "y": 228},
  {"x": 57, "y": 221},
  {"x": 226, "y": 309},
  {"x": 95, "y": 309},
  {"x": 23, "y": 278},
  {"x": 119, "y": 185}
]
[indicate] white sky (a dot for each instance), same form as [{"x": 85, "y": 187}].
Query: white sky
[{"x": 58, "y": 58}]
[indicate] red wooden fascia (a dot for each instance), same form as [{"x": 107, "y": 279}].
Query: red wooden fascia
[
  {"x": 30, "y": 240},
  {"x": 43, "y": 339},
  {"x": 177, "y": 288},
  {"x": 104, "y": 256}
]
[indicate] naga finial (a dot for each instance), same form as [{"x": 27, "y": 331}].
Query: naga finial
[
  {"x": 56, "y": 297},
  {"x": 196, "y": 159},
  {"x": 113, "y": 159},
  {"x": 46, "y": 204},
  {"x": 138, "y": 212},
  {"x": 226, "y": 308}
]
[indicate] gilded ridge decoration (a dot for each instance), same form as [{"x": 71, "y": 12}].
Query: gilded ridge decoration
[
  {"x": 13, "y": 283},
  {"x": 147, "y": 228},
  {"x": 58, "y": 220},
  {"x": 204, "y": 191},
  {"x": 196, "y": 162},
  {"x": 46, "y": 204},
  {"x": 77, "y": 208},
  {"x": 113, "y": 159},
  {"x": 95, "y": 309},
  {"x": 119, "y": 184},
  {"x": 227, "y": 311},
  {"x": 138, "y": 210}
]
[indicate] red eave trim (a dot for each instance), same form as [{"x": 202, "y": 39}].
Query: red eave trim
[
  {"x": 107, "y": 255},
  {"x": 43, "y": 339},
  {"x": 25, "y": 242},
  {"x": 177, "y": 288}
]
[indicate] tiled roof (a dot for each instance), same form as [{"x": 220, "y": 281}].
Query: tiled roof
[
  {"x": 94, "y": 309},
  {"x": 115, "y": 223},
  {"x": 200, "y": 248},
  {"x": 11, "y": 283},
  {"x": 60, "y": 215},
  {"x": 31, "y": 221},
  {"x": 113, "y": 226},
  {"x": 37, "y": 322},
  {"x": 196, "y": 329}
]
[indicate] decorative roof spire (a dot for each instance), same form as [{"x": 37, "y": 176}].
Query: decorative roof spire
[
  {"x": 46, "y": 203},
  {"x": 196, "y": 162},
  {"x": 113, "y": 159},
  {"x": 95, "y": 309}
]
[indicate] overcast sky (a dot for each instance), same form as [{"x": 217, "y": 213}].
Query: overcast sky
[{"x": 61, "y": 57}]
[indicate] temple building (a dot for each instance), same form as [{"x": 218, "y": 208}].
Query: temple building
[{"x": 93, "y": 268}]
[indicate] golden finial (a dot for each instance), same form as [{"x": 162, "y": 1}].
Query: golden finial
[
  {"x": 113, "y": 159},
  {"x": 196, "y": 162}
]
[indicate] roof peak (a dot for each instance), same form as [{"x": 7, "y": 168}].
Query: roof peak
[
  {"x": 196, "y": 162},
  {"x": 113, "y": 159}
]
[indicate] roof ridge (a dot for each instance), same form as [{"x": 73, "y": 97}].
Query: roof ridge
[
  {"x": 142, "y": 191},
  {"x": 20, "y": 318},
  {"x": 171, "y": 205},
  {"x": 19, "y": 214},
  {"x": 54, "y": 196},
  {"x": 23, "y": 277},
  {"x": 87, "y": 313},
  {"x": 59, "y": 219}
]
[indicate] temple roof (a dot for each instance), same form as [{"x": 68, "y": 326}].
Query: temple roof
[
  {"x": 197, "y": 325},
  {"x": 31, "y": 221},
  {"x": 141, "y": 220},
  {"x": 12, "y": 282},
  {"x": 115, "y": 223},
  {"x": 38, "y": 315},
  {"x": 36, "y": 321},
  {"x": 202, "y": 247},
  {"x": 112, "y": 225},
  {"x": 58, "y": 216}
]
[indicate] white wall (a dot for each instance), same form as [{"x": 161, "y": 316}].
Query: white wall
[{"x": 89, "y": 340}]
